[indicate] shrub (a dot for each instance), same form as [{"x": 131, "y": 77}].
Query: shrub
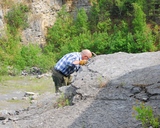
[
  {"x": 32, "y": 55},
  {"x": 62, "y": 101},
  {"x": 146, "y": 116},
  {"x": 16, "y": 18}
]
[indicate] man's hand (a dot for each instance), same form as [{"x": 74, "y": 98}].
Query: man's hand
[{"x": 82, "y": 62}]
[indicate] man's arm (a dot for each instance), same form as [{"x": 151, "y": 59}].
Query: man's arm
[{"x": 81, "y": 62}]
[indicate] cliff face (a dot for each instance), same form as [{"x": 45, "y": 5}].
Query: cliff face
[{"x": 43, "y": 15}]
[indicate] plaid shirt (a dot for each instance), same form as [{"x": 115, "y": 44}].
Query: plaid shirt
[{"x": 65, "y": 64}]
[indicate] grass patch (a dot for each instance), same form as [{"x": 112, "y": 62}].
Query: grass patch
[
  {"x": 62, "y": 102},
  {"x": 14, "y": 101},
  {"x": 26, "y": 83},
  {"x": 11, "y": 84}
]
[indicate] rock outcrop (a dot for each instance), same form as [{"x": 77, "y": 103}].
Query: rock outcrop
[
  {"x": 111, "y": 86},
  {"x": 41, "y": 17}
]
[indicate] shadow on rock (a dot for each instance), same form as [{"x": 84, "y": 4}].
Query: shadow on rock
[
  {"x": 112, "y": 107},
  {"x": 112, "y": 85}
]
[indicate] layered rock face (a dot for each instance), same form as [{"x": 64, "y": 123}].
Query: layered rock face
[
  {"x": 111, "y": 85},
  {"x": 42, "y": 16}
]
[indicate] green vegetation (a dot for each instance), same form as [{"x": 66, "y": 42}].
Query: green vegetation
[
  {"x": 15, "y": 56},
  {"x": 109, "y": 26},
  {"x": 16, "y": 18},
  {"x": 62, "y": 101},
  {"x": 146, "y": 116}
]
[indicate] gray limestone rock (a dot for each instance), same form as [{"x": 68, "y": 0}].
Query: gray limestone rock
[{"x": 112, "y": 85}]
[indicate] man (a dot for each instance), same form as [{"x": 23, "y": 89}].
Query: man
[{"x": 68, "y": 64}]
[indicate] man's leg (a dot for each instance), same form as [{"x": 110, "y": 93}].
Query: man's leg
[
  {"x": 68, "y": 80},
  {"x": 58, "y": 80}
]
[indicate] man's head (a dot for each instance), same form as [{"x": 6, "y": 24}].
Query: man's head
[{"x": 86, "y": 54}]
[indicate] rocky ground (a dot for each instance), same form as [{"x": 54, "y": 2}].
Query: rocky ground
[{"x": 111, "y": 85}]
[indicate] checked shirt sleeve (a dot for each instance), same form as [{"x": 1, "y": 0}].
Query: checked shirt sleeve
[{"x": 65, "y": 64}]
